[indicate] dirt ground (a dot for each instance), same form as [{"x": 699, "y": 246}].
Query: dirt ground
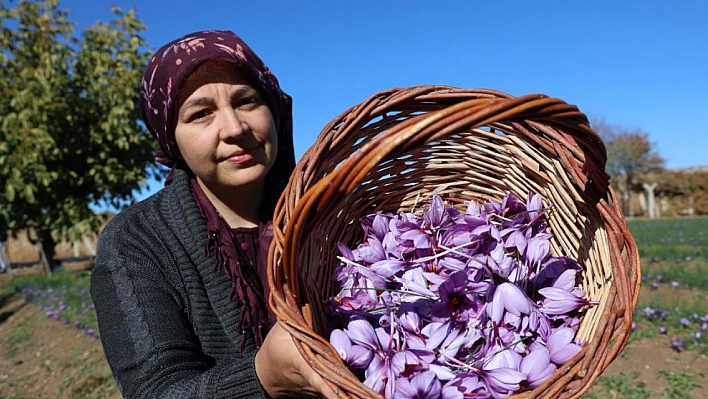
[
  {"x": 649, "y": 357},
  {"x": 41, "y": 358}
]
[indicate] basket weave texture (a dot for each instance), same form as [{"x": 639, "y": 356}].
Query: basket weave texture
[{"x": 395, "y": 149}]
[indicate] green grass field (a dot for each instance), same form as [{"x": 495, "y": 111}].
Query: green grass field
[
  {"x": 674, "y": 249},
  {"x": 673, "y": 307}
]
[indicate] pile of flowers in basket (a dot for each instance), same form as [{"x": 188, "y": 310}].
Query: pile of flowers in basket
[{"x": 445, "y": 304}]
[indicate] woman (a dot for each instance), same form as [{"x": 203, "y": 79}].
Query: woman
[{"x": 179, "y": 282}]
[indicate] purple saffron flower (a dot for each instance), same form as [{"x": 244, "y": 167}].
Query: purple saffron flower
[
  {"x": 409, "y": 319},
  {"x": 451, "y": 346},
  {"x": 450, "y": 391},
  {"x": 662, "y": 330},
  {"x": 355, "y": 356},
  {"x": 451, "y": 264},
  {"x": 383, "y": 371},
  {"x": 502, "y": 382},
  {"x": 500, "y": 373},
  {"x": 678, "y": 345},
  {"x": 539, "y": 324},
  {"x": 419, "y": 346},
  {"x": 380, "y": 225},
  {"x": 539, "y": 247},
  {"x": 560, "y": 345},
  {"x": 566, "y": 280},
  {"x": 467, "y": 383},
  {"x": 501, "y": 356},
  {"x": 370, "y": 252},
  {"x": 423, "y": 385},
  {"x": 674, "y": 284},
  {"x": 435, "y": 332},
  {"x": 374, "y": 280},
  {"x": 388, "y": 267},
  {"x": 406, "y": 362},
  {"x": 456, "y": 301},
  {"x": 559, "y": 301},
  {"x": 385, "y": 320},
  {"x": 360, "y": 300},
  {"x": 685, "y": 322},
  {"x": 534, "y": 205},
  {"x": 515, "y": 239},
  {"x": 552, "y": 268},
  {"x": 459, "y": 235},
  {"x": 511, "y": 206},
  {"x": 438, "y": 214},
  {"x": 361, "y": 332},
  {"x": 537, "y": 366},
  {"x": 415, "y": 239},
  {"x": 501, "y": 263},
  {"x": 508, "y": 297},
  {"x": 415, "y": 281}
]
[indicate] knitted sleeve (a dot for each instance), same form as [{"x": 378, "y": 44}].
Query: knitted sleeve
[{"x": 146, "y": 331}]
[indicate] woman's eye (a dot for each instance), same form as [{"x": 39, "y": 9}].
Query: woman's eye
[
  {"x": 247, "y": 101},
  {"x": 199, "y": 115}
]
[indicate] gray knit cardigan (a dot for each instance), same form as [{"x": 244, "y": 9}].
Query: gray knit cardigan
[{"x": 168, "y": 327}]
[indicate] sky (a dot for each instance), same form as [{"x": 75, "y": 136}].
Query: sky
[{"x": 635, "y": 64}]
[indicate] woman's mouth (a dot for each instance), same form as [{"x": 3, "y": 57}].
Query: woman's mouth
[{"x": 241, "y": 156}]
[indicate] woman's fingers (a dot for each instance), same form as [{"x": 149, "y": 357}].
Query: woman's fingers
[
  {"x": 316, "y": 381},
  {"x": 283, "y": 372}
]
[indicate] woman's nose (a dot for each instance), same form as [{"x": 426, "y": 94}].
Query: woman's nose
[{"x": 232, "y": 125}]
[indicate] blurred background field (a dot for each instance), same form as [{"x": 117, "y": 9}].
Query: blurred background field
[{"x": 49, "y": 346}]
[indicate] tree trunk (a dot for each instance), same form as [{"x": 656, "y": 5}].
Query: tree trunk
[
  {"x": 652, "y": 210},
  {"x": 90, "y": 246},
  {"x": 5, "y": 254},
  {"x": 45, "y": 261},
  {"x": 45, "y": 243}
]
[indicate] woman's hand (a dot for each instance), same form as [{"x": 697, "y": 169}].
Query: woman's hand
[{"x": 283, "y": 372}]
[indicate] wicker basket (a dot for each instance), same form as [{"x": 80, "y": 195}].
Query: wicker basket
[{"x": 397, "y": 147}]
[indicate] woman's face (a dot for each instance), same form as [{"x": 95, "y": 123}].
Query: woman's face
[{"x": 225, "y": 131}]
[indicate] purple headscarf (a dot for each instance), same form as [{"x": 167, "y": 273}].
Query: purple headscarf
[{"x": 164, "y": 76}]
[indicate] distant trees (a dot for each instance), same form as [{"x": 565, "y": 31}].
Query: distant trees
[
  {"x": 637, "y": 171},
  {"x": 630, "y": 155},
  {"x": 70, "y": 133}
]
